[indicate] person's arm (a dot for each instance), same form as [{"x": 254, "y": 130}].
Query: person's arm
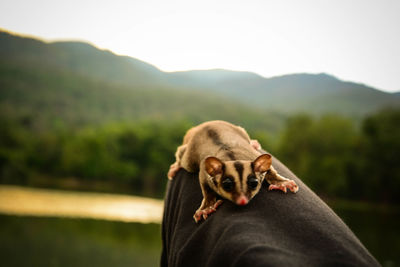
[{"x": 274, "y": 229}]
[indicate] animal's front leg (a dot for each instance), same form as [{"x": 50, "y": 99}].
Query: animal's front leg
[
  {"x": 208, "y": 205},
  {"x": 279, "y": 182},
  {"x": 206, "y": 209}
]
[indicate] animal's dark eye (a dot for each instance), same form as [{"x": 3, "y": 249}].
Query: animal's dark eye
[
  {"x": 252, "y": 182},
  {"x": 227, "y": 184}
]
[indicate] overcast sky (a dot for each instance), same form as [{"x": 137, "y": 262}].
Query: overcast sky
[{"x": 356, "y": 40}]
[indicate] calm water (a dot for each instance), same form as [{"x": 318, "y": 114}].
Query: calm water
[
  {"x": 43, "y": 241},
  {"x": 18, "y": 200},
  {"x": 379, "y": 231},
  {"x": 77, "y": 229},
  {"x": 31, "y": 241}
]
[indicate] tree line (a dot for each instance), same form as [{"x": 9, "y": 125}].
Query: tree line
[
  {"x": 333, "y": 155},
  {"x": 337, "y": 158}
]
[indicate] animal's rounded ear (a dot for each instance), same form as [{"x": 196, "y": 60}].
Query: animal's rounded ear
[
  {"x": 262, "y": 163},
  {"x": 213, "y": 166}
]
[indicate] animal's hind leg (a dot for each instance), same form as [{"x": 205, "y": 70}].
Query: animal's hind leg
[
  {"x": 253, "y": 142},
  {"x": 174, "y": 168}
]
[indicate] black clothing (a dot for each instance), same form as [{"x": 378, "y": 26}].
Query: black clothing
[{"x": 274, "y": 229}]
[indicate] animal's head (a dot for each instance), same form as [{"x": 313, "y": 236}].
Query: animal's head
[{"x": 240, "y": 180}]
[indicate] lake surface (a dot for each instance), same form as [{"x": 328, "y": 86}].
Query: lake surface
[
  {"x": 378, "y": 230},
  {"x": 41, "y": 241},
  {"x": 102, "y": 230},
  {"x": 18, "y": 200}
]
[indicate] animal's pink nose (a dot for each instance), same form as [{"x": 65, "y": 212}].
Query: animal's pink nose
[{"x": 242, "y": 200}]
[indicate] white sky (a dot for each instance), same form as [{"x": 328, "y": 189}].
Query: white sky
[{"x": 357, "y": 40}]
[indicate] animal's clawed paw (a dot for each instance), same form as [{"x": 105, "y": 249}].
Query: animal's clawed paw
[
  {"x": 255, "y": 144},
  {"x": 173, "y": 169},
  {"x": 284, "y": 185},
  {"x": 203, "y": 213}
]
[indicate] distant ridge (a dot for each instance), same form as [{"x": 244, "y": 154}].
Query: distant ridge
[
  {"x": 310, "y": 93},
  {"x": 79, "y": 57},
  {"x": 70, "y": 85}
]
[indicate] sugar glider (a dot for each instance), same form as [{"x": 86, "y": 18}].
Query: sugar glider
[{"x": 229, "y": 163}]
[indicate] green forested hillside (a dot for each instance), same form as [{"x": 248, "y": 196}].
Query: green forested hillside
[
  {"x": 50, "y": 98},
  {"x": 77, "y": 84},
  {"x": 78, "y": 57},
  {"x": 312, "y": 93},
  {"x": 66, "y": 120},
  {"x": 74, "y": 116}
]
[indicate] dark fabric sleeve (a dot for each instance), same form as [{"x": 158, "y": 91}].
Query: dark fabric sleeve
[{"x": 274, "y": 229}]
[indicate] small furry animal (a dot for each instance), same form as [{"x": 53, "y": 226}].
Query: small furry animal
[{"x": 230, "y": 164}]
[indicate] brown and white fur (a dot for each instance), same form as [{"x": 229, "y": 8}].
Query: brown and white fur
[{"x": 230, "y": 164}]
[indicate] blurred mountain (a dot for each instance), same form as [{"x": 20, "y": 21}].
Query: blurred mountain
[
  {"x": 75, "y": 84},
  {"x": 312, "y": 93},
  {"x": 98, "y": 75},
  {"x": 78, "y": 57}
]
